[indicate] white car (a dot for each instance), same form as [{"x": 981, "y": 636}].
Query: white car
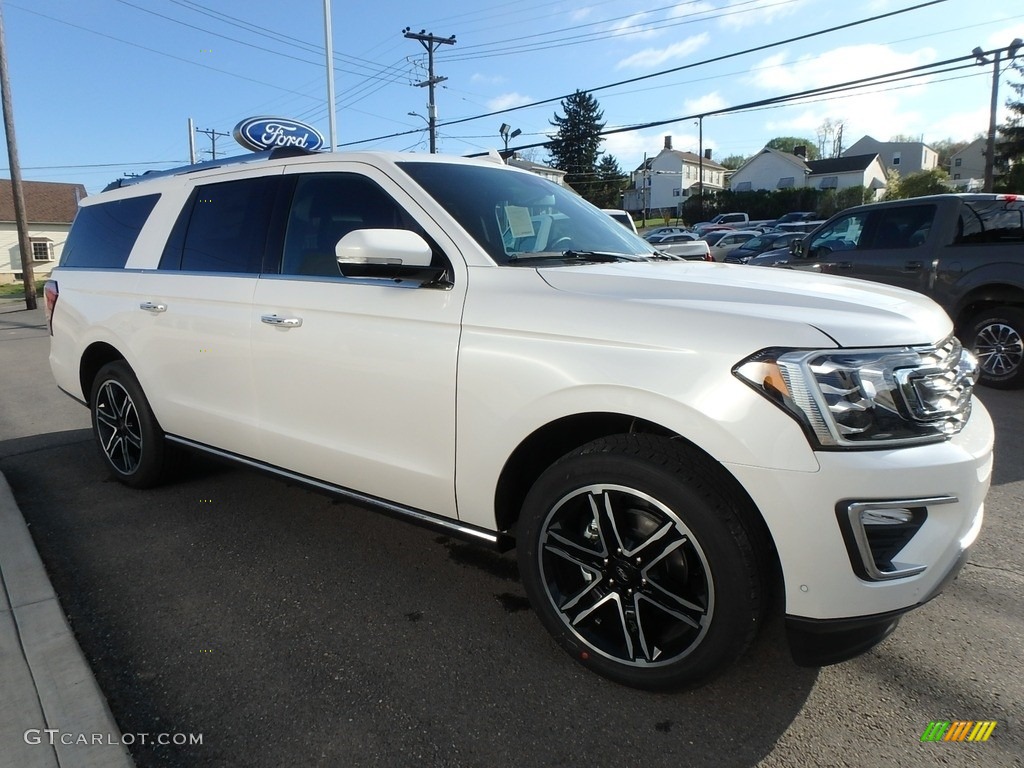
[
  {"x": 730, "y": 242},
  {"x": 477, "y": 349}
]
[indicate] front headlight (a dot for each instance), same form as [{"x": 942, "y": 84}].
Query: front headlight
[{"x": 868, "y": 398}]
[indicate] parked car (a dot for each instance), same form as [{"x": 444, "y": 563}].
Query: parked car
[
  {"x": 965, "y": 251},
  {"x": 657, "y": 234},
  {"x": 802, "y": 227},
  {"x": 685, "y": 245},
  {"x": 729, "y": 242},
  {"x": 796, "y": 217},
  {"x": 755, "y": 246},
  {"x": 623, "y": 218},
  {"x": 776, "y": 257},
  {"x": 471, "y": 347}
]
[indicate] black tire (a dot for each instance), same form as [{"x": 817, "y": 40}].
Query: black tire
[
  {"x": 640, "y": 564},
  {"x": 996, "y": 337},
  {"x": 127, "y": 434}
]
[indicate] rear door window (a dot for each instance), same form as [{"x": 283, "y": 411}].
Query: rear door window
[
  {"x": 996, "y": 221},
  {"x": 103, "y": 235},
  {"x": 223, "y": 228}
]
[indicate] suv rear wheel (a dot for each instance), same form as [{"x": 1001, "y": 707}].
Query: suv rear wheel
[
  {"x": 130, "y": 440},
  {"x": 996, "y": 336},
  {"x": 638, "y": 565}
]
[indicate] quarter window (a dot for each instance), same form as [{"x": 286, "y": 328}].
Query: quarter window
[
  {"x": 103, "y": 235},
  {"x": 996, "y": 221}
]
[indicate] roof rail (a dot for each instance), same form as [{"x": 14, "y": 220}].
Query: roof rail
[{"x": 253, "y": 157}]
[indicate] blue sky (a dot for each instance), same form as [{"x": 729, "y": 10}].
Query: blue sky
[{"x": 105, "y": 87}]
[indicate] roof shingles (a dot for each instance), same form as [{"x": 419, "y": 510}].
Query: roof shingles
[{"x": 46, "y": 202}]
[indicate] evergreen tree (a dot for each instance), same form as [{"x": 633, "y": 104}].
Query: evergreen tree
[
  {"x": 1010, "y": 149},
  {"x": 607, "y": 192},
  {"x": 576, "y": 146}
]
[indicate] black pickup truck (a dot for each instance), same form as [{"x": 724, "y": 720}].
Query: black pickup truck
[{"x": 964, "y": 251}]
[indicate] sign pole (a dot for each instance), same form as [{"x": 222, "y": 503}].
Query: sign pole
[{"x": 329, "y": 47}]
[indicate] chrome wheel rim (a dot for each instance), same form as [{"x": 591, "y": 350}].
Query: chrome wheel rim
[
  {"x": 999, "y": 349},
  {"x": 117, "y": 424},
  {"x": 626, "y": 576}
]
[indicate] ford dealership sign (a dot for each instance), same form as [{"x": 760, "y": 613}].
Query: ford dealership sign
[{"x": 260, "y": 133}]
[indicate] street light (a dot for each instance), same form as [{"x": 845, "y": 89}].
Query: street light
[
  {"x": 990, "y": 144},
  {"x": 506, "y": 134}
]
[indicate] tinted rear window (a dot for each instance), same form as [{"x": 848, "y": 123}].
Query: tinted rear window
[
  {"x": 103, "y": 235},
  {"x": 996, "y": 221}
]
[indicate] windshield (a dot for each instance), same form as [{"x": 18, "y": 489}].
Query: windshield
[{"x": 521, "y": 218}]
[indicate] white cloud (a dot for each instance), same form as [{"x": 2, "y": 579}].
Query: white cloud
[
  {"x": 706, "y": 103},
  {"x": 690, "y": 9},
  {"x": 759, "y": 13},
  {"x": 653, "y": 57},
  {"x": 1004, "y": 37},
  {"x": 628, "y": 27},
  {"x": 963, "y": 126},
  {"x": 482, "y": 79},
  {"x": 852, "y": 62},
  {"x": 581, "y": 13},
  {"x": 506, "y": 100}
]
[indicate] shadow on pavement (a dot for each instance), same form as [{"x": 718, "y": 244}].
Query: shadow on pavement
[{"x": 290, "y": 630}]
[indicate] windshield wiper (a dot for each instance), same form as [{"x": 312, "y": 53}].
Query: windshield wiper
[{"x": 601, "y": 257}]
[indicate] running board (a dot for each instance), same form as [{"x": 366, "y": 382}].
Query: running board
[{"x": 499, "y": 541}]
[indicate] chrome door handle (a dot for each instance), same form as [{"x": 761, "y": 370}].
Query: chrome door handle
[
  {"x": 912, "y": 266},
  {"x": 149, "y": 306},
  {"x": 281, "y": 322},
  {"x": 844, "y": 264}
]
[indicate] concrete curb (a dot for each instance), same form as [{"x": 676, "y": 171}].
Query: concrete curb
[{"x": 45, "y": 679}]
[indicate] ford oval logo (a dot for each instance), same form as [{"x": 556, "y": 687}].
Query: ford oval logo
[{"x": 260, "y": 133}]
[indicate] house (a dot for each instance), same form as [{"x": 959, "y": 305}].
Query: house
[
  {"x": 667, "y": 179},
  {"x": 50, "y": 208},
  {"x": 967, "y": 167},
  {"x": 907, "y": 157},
  {"x": 546, "y": 171},
  {"x": 772, "y": 169}
]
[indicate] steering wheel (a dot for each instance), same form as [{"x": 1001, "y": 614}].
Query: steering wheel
[{"x": 562, "y": 244}]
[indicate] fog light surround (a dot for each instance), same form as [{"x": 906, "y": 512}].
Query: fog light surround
[{"x": 875, "y": 532}]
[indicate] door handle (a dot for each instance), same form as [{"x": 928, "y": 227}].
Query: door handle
[
  {"x": 149, "y": 306},
  {"x": 844, "y": 265},
  {"x": 912, "y": 266},
  {"x": 281, "y": 322}
]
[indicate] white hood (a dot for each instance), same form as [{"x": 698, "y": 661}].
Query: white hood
[{"x": 855, "y": 313}]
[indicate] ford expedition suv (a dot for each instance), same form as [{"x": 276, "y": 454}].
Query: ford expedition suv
[{"x": 475, "y": 348}]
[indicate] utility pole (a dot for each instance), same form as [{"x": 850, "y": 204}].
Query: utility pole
[
  {"x": 213, "y": 139},
  {"x": 191, "y": 142},
  {"x": 431, "y": 44},
  {"x": 24, "y": 245}
]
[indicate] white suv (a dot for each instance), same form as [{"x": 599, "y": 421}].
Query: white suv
[{"x": 475, "y": 348}]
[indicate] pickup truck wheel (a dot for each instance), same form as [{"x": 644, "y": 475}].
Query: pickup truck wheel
[
  {"x": 638, "y": 565},
  {"x": 996, "y": 337},
  {"x": 130, "y": 440}
]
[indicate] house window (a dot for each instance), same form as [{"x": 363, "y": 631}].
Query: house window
[
  {"x": 42, "y": 249},
  {"x": 829, "y": 182},
  {"x": 677, "y": 192},
  {"x": 895, "y": 158},
  {"x": 786, "y": 182},
  {"x": 958, "y": 162},
  {"x": 956, "y": 176}
]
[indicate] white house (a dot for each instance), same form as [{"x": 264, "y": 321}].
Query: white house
[
  {"x": 546, "y": 171},
  {"x": 907, "y": 157},
  {"x": 667, "y": 179},
  {"x": 967, "y": 167},
  {"x": 50, "y": 208},
  {"x": 772, "y": 169}
]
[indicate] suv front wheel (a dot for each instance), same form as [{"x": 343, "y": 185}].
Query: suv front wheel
[
  {"x": 130, "y": 440},
  {"x": 996, "y": 336},
  {"x": 638, "y": 565}
]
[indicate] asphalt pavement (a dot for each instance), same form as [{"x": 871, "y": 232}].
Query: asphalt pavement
[{"x": 257, "y": 624}]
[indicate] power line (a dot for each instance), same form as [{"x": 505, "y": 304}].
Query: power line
[{"x": 660, "y": 73}]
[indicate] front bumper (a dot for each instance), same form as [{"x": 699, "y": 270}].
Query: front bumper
[
  {"x": 828, "y": 592},
  {"x": 820, "y": 642}
]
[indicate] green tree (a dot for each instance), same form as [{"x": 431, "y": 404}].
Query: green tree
[
  {"x": 787, "y": 144},
  {"x": 946, "y": 148},
  {"x": 607, "y": 191},
  {"x": 732, "y": 162},
  {"x": 933, "y": 182},
  {"x": 576, "y": 146},
  {"x": 1010, "y": 150}
]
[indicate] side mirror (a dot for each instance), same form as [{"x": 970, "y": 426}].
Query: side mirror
[
  {"x": 386, "y": 247},
  {"x": 796, "y": 249}
]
